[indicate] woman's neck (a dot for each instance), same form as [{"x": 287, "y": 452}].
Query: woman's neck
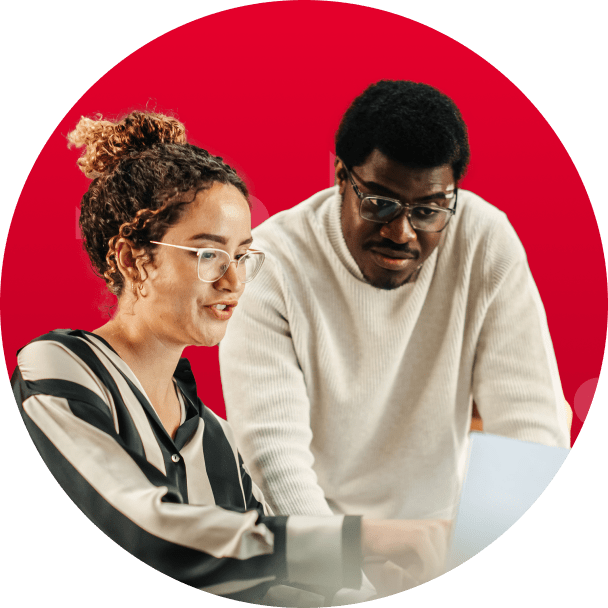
[{"x": 152, "y": 358}]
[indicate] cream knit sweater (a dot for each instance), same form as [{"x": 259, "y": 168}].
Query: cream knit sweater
[{"x": 350, "y": 399}]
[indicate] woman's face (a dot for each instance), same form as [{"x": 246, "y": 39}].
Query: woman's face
[{"x": 175, "y": 304}]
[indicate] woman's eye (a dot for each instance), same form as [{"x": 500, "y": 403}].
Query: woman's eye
[{"x": 208, "y": 255}]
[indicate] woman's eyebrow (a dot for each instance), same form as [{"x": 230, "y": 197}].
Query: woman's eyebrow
[
  {"x": 216, "y": 238},
  {"x": 203, "y": 236}
]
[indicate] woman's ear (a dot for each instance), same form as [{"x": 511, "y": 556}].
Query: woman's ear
[{"x": 129, "y": 261}]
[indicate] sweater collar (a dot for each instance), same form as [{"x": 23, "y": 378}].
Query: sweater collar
[{"x": 333, "y": 225}]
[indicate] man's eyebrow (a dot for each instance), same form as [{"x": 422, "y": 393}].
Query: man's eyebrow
[
  {"x": 218, "y": 239},
  {"x": 440, "y": 194},
  {"x": 376, "y": 188}
]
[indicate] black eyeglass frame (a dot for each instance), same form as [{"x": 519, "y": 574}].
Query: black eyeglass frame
[{"x": 451, "y": 211}]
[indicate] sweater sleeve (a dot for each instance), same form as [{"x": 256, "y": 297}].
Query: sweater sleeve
[
  {"x": 516, "y": 384},
  {"x": 266, "y": 398},
  {"x": 223, "y": 551}
]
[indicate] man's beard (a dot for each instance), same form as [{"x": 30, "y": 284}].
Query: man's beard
[{"x": 389, "y": 283}]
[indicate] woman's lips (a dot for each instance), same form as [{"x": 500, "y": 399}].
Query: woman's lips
[{"x": 219, "y": 314}]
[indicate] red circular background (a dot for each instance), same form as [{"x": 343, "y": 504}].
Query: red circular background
[{"x": 269, "y": 99}]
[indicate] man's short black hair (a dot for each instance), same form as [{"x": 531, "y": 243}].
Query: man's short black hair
[{"x": 410, "y": 122}]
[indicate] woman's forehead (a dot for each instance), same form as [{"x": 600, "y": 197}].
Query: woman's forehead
[{"x": 220, "y": 211}]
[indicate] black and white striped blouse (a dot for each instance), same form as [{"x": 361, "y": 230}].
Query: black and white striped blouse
[{"x": 185, "y": 506}]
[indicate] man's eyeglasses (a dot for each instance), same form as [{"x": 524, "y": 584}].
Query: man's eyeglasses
[
  {"x": 381, "y": 209},
  {"x": 213, "y": 263}
]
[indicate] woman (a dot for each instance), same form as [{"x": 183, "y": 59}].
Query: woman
[{"x": 115, "y": 412}]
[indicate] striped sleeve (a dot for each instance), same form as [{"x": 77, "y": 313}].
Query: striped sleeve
[{"x": 74, "y": 418}]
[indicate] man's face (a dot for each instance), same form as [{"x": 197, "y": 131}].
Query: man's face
[{"x": 390, "y": 254}]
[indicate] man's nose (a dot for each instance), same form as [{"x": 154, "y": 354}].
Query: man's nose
[{"x": 399, "y": 230}]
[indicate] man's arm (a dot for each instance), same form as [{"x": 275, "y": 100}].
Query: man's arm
[
  {"x": 516, "y": 384},
  {"x": 266, "y": 398},
  {"x": 477, "y": 422}
]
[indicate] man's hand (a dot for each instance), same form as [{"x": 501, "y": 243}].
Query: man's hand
[
  {"x": 418, "y": 546},
  {"x": 568, "y": 415}
]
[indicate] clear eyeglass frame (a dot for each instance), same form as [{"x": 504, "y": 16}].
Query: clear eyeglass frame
[
  {"x": 367, "y": 201},
  {"x": 246, "y": 274}
]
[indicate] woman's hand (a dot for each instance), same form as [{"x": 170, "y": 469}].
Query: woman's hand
[{"x": 418, "y": 546}]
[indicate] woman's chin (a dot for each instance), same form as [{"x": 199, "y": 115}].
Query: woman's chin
[{"x": 208, "y": 340}]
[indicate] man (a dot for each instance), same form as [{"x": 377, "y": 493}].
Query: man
[{"x": 388, "y": 305}]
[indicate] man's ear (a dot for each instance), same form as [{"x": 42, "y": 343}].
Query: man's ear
[
  {"x": 340, "y": 175},
  {"x": 129, "y": 260}
]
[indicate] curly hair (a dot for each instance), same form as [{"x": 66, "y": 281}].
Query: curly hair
[
  {"x": 144, "y": 174},
  {"x": 410, "y": 122}
]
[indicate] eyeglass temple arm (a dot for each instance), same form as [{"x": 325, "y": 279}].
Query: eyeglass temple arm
[
  {"x": 197, "y": 249},
  {"x": 176, "y": 246},
  {"x": 453, "y": 209}
]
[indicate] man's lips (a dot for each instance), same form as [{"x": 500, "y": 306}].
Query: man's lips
[
  {"x": 397, "y": 260},
  {"x": 395, "y": 254}
]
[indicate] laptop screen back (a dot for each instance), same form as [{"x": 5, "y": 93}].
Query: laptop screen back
[{"x": 504, "y": 478}]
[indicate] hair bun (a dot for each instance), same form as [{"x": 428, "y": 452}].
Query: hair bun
[{"x": 108, "y": 142}]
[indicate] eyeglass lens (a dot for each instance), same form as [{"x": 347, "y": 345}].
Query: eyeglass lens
[
  {"x": 213, "y": 264},
  {"x": 421, "y": 217}
]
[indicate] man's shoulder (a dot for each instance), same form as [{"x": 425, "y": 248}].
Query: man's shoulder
[
  {"x": 475, "y": 211},
  {"x": 484, "y": 232},
  {"x": 481, "y": 223}
]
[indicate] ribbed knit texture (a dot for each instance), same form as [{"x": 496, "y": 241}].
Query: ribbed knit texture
[{"x": 351, "y": 399}]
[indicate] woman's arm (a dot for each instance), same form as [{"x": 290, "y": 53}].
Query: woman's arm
[{"x": 132, "y": 501}]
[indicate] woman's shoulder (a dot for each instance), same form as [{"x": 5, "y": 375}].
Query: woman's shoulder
[
  {"x": 62, "y": 364},
  {"x": 63, "y": 354},
  {"x": 67, "y": 335},
  {"x": 70, "y": 341}
]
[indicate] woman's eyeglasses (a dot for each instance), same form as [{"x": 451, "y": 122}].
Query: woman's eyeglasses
[{"x": 213, "y": 263}]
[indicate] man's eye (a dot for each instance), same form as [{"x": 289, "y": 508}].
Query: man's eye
[
  {"x": 381, "y": 203},
  {"x": 424, "y": 212}
]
